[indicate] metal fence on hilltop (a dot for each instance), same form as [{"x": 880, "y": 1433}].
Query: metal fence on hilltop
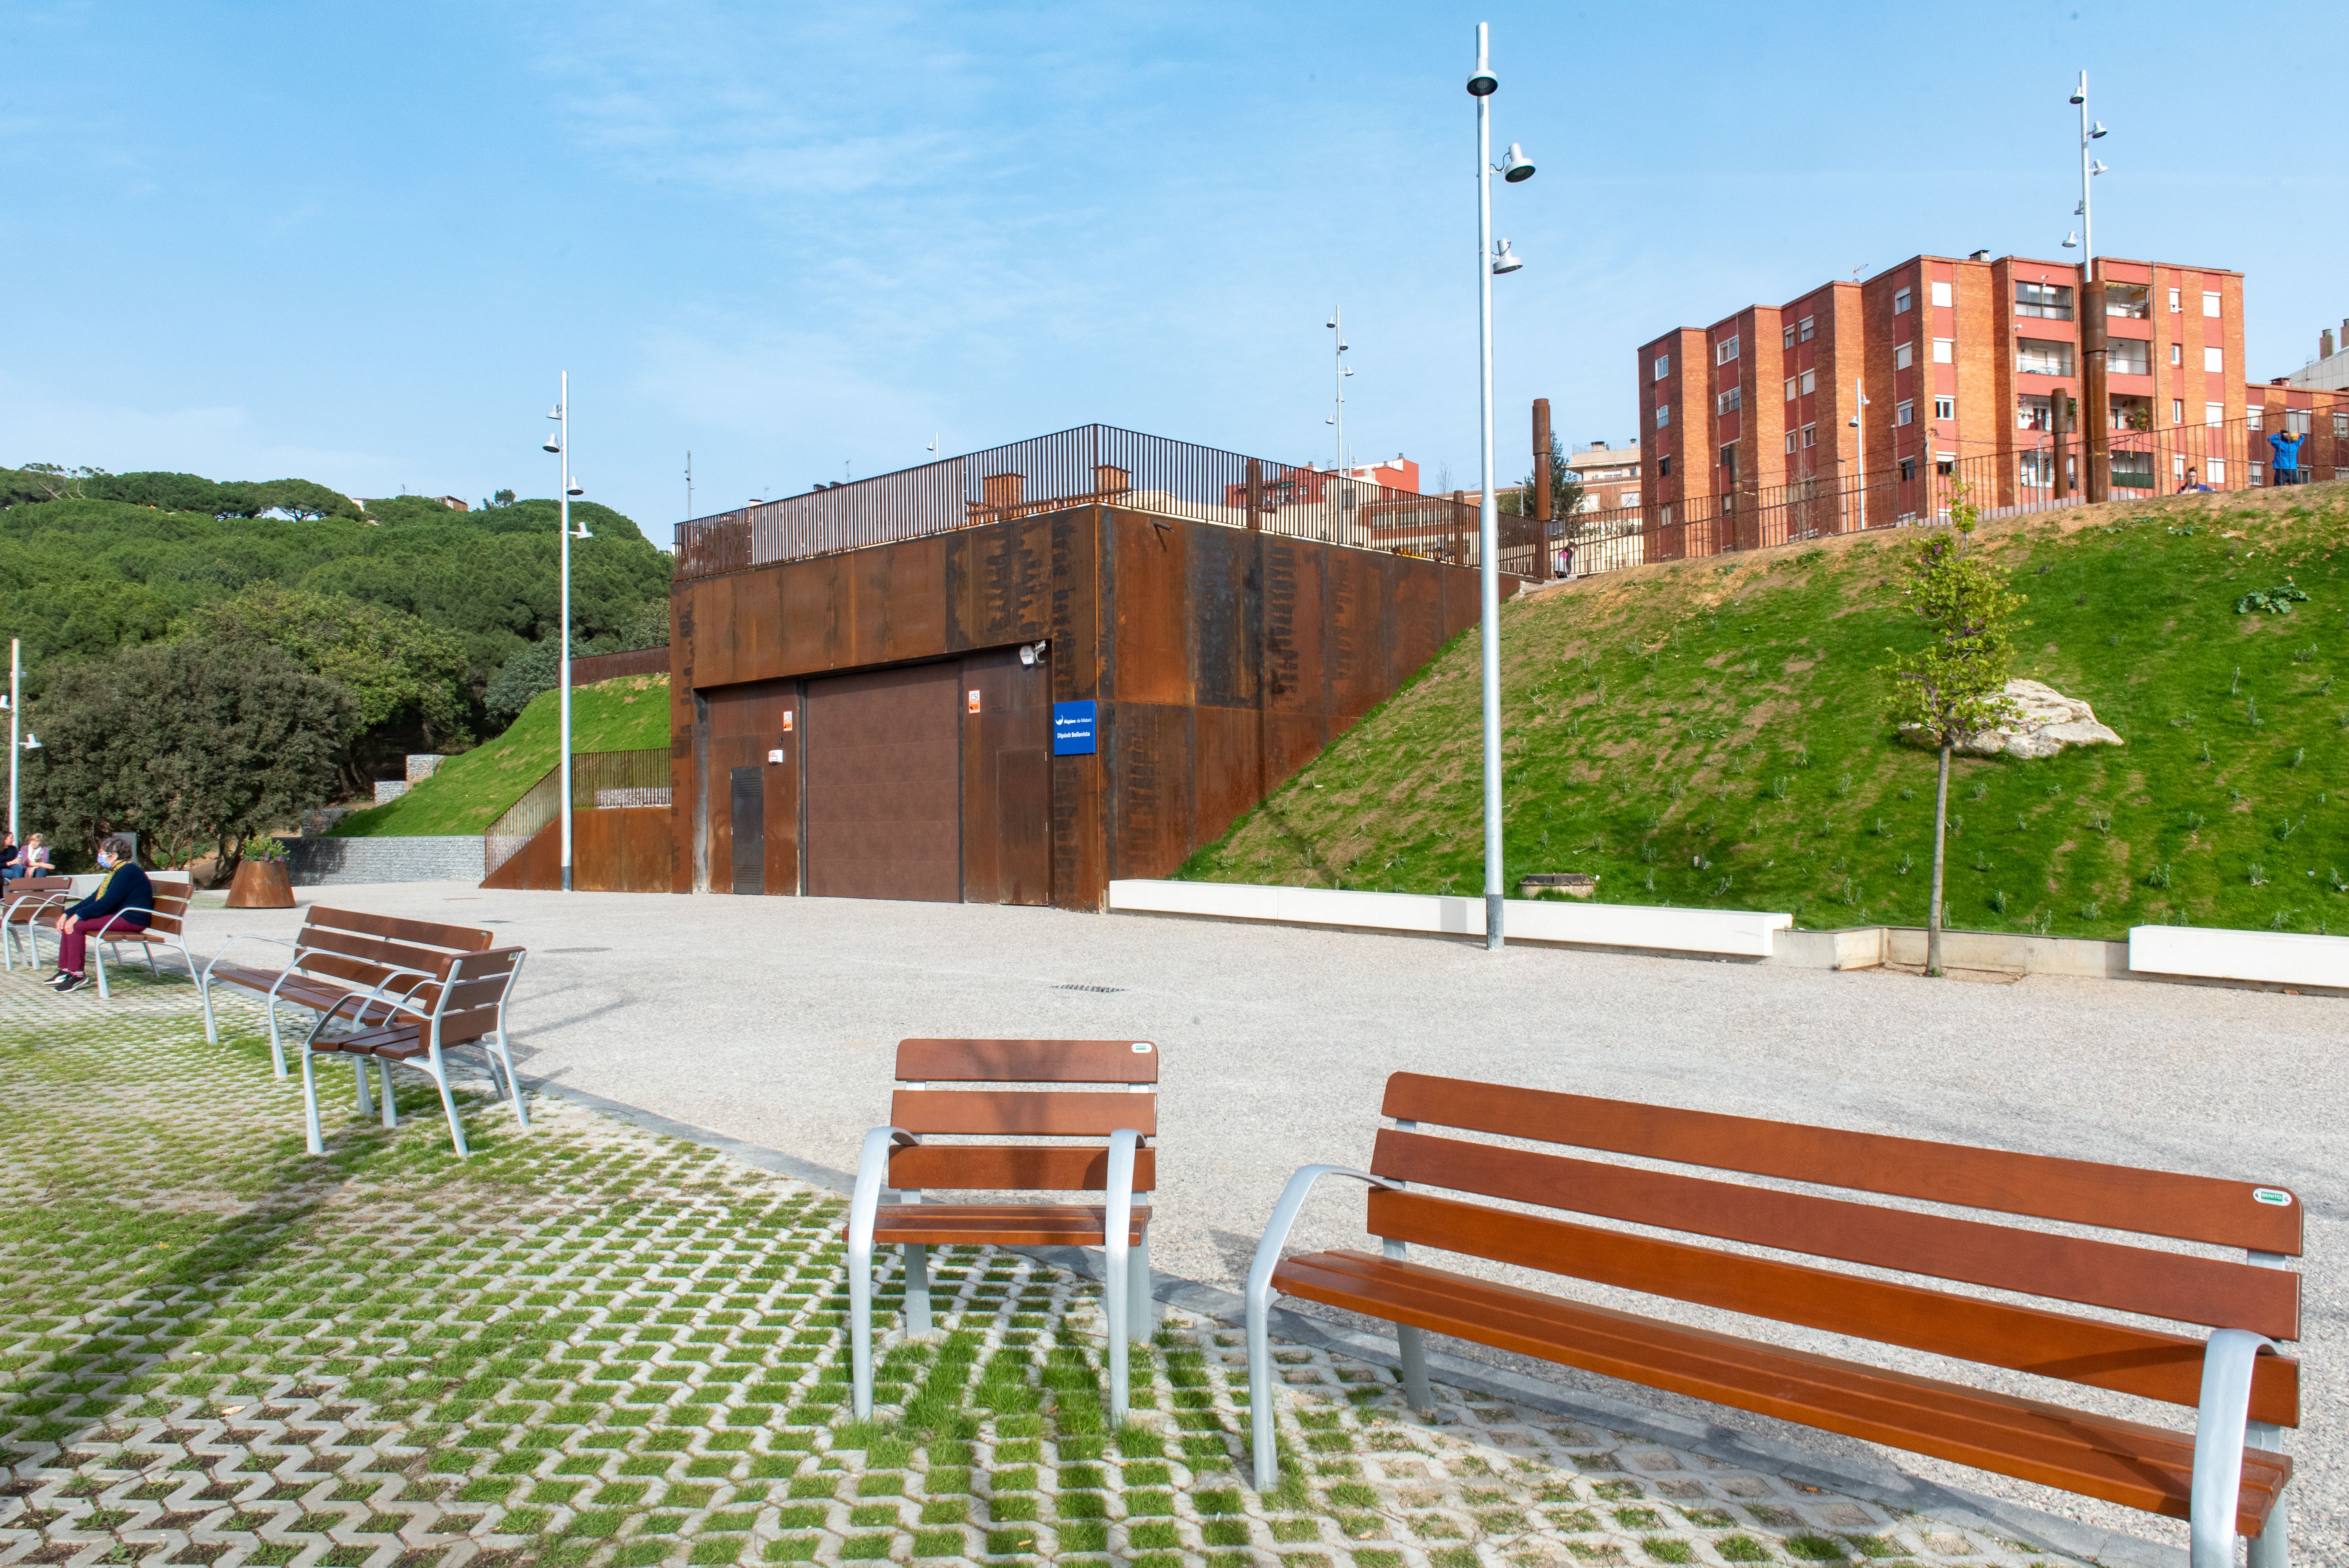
[
  {"x": 600, "y": 780},
  {"x": 1099, "y": 465}
]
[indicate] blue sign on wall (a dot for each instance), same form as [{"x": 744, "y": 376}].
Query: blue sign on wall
[{"x": 1072, "y": 729}]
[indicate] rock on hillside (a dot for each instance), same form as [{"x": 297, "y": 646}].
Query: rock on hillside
[{"x": 2050, "y": 722}]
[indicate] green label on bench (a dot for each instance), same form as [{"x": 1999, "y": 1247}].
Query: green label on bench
[{"x": 2270, "y": 1195}]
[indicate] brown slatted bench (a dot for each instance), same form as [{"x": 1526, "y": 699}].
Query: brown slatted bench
[
  {"x": 1424, "y": 1188},
  {"x": 166, "y": 931},
  {"x": 1116, "y": 1162},
  {"x": 338, "y": 954},
  {"x": 28, "y": 899},
  {"x": 416, "y": 1025}
]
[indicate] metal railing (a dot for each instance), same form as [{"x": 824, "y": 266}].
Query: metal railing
[
  {"x": 600, "y": 780},
  {"x": 1103, "y": 465},
  {"x": 2233, "y": 456},
  {"x": 1092, "y": 465}
]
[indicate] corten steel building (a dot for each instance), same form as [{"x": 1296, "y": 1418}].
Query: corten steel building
[
  {"x": 1012, "y": 676},
  {"x": 1962, "y": 361}
]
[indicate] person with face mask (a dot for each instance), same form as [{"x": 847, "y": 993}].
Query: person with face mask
[{"x": 123, "y": 902}]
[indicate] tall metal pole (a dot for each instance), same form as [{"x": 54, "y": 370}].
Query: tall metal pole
[
  {"x": 15, "y": 715},
  {"x": 1859, "y": 423},
  {"x": 1338, "y": 381},
  {"x": 1488, "y": 513},
  {"x": 563, "y": 408},
  {"x": 2096, "y": 400},
  {"x": 2087, "y": 229}
]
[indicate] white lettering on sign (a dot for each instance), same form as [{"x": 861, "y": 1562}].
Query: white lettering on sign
[
  {"x": 2270, "y": 1195},
  {"x": 1142, "y": 1047},
  {"x": 974, "y": 701}
]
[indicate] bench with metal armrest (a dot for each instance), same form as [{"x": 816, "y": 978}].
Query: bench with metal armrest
[
  {"x": 1115, "y": 1161},
  {"x": 29, "y": 902},
  {"x": 414, "y": 1018},
  {"x": 336, "y": 954},
  {"x": 2227, "y": 1476},
  {"x": 165, "y": 930}
]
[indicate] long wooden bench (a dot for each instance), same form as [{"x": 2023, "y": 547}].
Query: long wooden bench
[
  {"x": 462, "y": 1002},
  {"x": 2227, "y": 1476},
  {"x": 1121, "y": 1166},
  {"x": 166, "y": 930},
  {"x": 27, "y": 900},
  {"x": 336, "y": 954}
]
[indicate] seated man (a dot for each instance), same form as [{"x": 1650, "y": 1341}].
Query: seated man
[{"x": 123, "y": 902}]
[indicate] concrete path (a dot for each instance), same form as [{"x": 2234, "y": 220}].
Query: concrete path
[{"x": 771, "y": 1021}]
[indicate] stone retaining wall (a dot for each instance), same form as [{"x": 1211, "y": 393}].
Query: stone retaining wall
[{"x": 324, "y": 863}]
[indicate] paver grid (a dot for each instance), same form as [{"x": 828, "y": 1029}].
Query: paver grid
[{"x": 590, "y": 1345}]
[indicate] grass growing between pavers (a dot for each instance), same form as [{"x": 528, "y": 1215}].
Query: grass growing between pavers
[
  {"x": 591, "y": 1345},
  {"x": 1710, "y": 732}
]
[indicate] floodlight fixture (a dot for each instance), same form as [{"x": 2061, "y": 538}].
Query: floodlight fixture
[
  {"x": 2072, "y": 240},
  {"x": 1506, "y": 261},
  {"x": 1516, "y": 167}
]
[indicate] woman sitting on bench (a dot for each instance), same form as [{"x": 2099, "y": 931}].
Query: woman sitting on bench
[{"x": 122, "y": 904}]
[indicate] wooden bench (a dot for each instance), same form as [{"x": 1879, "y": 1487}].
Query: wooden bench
[
  {"x": 1115, "y": 1160},
  {"x": 1422, "y": 1191},
  {"x": 416, "y": 1024},
  {"x": 28, "y": 899},
  {"x": 336, "y": 954},
  {"x": 167, "y": 929}
]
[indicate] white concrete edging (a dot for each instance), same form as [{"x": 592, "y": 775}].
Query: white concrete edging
[
  {"x": 1730, "y": 932},
  {"x": 2278, "y": 957}
]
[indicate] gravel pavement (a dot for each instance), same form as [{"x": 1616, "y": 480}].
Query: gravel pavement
[{"x": 771, "y": 1021}]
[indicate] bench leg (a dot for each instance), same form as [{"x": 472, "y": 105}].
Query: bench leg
[
  {"x": 212, "y": 1025},
  {"x": 918, "y": 1288},
  {"x": 1115, "y": 1288},
  {"x": 316, "y": 1142},
  {"x": 860, "y": 1335},
  {"x": 277, "y": 1043},
  {"x": 1412, "y": 1351},
  {"x": 1141, "y": 1307},
  {"x": 390, "y": 1105},
  {"x": 440, "y": 1071},
  {"x": 2271, "y": 1547},
  {"x": 513, "y": 1085},
  {"x": 98, "y": 961}
]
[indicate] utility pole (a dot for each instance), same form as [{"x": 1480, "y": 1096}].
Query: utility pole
[
  {"x": 1859, "y": 423},
  {"x": 15, "y": 716},
  {"x": 2096, "y": 401},
  {"x": 689, "y": 484}
]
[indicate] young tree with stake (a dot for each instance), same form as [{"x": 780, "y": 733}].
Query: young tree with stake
[{"x": 1955, "y": 686}]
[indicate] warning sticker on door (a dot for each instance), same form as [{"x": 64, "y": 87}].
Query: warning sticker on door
[{"x": 974, "y": 701}]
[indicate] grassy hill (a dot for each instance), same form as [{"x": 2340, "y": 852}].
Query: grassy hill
[
  {"x": 1710, "y": 732},
  {"x": 472, "y": 790}
]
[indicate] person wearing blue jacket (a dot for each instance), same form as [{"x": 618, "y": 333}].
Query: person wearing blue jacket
[
  {"x": 123, "y": 904},
  {"x": 2287, "y": 456}
]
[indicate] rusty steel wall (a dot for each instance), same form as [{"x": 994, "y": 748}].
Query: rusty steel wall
[{"x": 1224, "y": 660}]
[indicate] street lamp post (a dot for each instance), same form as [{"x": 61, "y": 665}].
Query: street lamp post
[
  {"x": 1490, "y": 260},
  {"x": 2095, "y": 414},
  {"x": 1859, "y": 424},
  {"x": 559, "y": 443}
]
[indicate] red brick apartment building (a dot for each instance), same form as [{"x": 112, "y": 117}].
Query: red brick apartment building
[{"x": 1958, "y": 359}]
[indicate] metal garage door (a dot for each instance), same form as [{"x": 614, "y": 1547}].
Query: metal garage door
[{"x": 884, "y": 785}]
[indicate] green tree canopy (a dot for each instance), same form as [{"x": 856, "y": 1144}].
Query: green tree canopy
[
  {"x": 185, "y": 744},
  {"x": 400, "y": 672}
]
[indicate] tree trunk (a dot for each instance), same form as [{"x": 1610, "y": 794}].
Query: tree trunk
[{"x": 1940, "y": 831}]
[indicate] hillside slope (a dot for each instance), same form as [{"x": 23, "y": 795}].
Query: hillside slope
[
  {"x": 474, "y": 790},
  {"x": 1711, "y": 733}
]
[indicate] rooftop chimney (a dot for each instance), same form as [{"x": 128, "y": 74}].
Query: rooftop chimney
[
  {"x": 1979, "y": 256},
  {"x": 2325, "y": 342}
]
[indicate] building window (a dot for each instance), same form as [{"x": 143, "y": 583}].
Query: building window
[
  {"x": 2050, "y": 302},
  {"x": 1810, "y": 435},
  {"x": 1802, "y": 330},
  {"x": 2295, "y": 421},
  {"x": 1727, "y": 351},
  {"x": 1664, "y": 415},
  {"x": 1792, "y": 382},
  {"x": 1945, "y": 463},
  {"x": 1664, "y": 467},
  {"x": 2177, "y": 354},
  {"x": 2128, "y": 357},
  {"x": 1905, "y": 413},
  {"x": 2174, "y": 307},
  {"x": 1899, "y": 301},
  {"x": 2214, "y": 470},
  {"x": 1900, "y": 358},
  {"x": 1944, "y": 350},
  {"x": 2178, "y": 460},
  {"x": 2252, "y": 417},
  {"x": 1789, "y": 336},
  {"x": 1790, "y": 443},
  {"x": 1940, "y": 293},
  {"x": 2042, "y": 356},
  {"x": 2214, "y": 359},
  {"x": 1663, "y": 366},
  {"x": 1729, "y": 462},
  {"x": 2036, "y": 471},
  {"x": 1810, "y": 381},
  {"x": 2034, "y": 414},
  {"x": 2259, "y": 473},
  {"x": 2214, "y": 413},
  {"x": 1908, "y": 468},
  {"x": 2209, "y": 302},
  {"x": 2341, "y": 426},
  {"x": 1945, "y": 408},
  {"x": 1664, "y": 516},
  {"x": 2127, "y": 301},
  {"x": 2177, "y": 410},
  {"x": 1729, "y": 402}
]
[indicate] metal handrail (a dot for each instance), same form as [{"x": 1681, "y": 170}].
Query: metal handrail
[{"x": 599, "y": 780}]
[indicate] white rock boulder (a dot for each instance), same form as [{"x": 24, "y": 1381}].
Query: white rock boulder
[{"x": 2050, "y": 722}]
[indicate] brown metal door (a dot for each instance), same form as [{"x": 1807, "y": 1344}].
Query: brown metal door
[
  {"x": 1006, "y": 779},
  {"x": 884, "y": 785},
  {"x": 745, "y": 731}
]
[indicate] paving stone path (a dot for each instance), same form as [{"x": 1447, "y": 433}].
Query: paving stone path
[{"x": 589, "y": 1344}]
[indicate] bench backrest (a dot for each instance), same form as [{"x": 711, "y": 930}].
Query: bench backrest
[
  {"x": 169, "y": 914},
  {"x": 361, "y": 949},
  {"x": 469, "y": 999},
  {"x": 2081, "y": 1270},
  {"x": 1034, "y": 1112},
  {"x": 25, "y": 894}
]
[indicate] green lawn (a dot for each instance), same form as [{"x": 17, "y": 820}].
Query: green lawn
[
  {"x": 472, "y": 790},
  {"x": 1710, "y": 732}
]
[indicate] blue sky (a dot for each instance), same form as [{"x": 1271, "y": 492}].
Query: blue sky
[{"x": 356, "y": 244}]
